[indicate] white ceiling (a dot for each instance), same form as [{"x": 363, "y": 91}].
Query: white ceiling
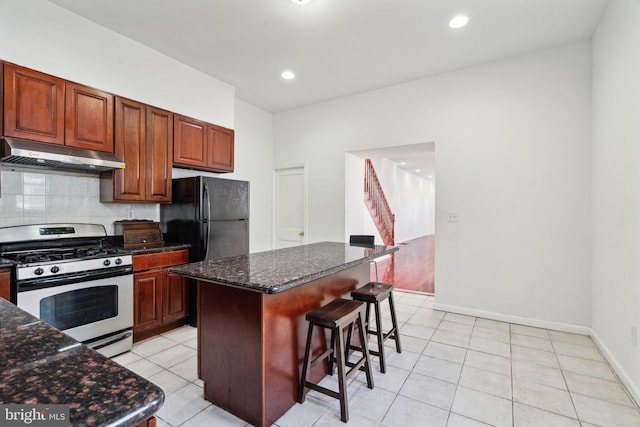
[
  {"x": 418, "y": 159},
  {"x": 340, "y": 47},
  {"x": 337, "y": 47}
]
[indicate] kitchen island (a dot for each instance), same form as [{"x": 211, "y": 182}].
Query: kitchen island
[
  {"x": 41, "y": 365},
  {"x": 251, "y": 321}
]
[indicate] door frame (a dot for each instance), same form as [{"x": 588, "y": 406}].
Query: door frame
[{"x": 290, "y": 168}]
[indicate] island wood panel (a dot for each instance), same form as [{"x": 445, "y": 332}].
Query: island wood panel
[{"x": 251, "y": 345}]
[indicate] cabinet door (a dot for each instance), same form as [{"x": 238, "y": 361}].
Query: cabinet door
[
  {"x": 159, "y": 155},
  {"x": 128, "y": 183},
  {"x": 220, "y": 148},
  {"x": 189, "y": 141},
  {"x": 33, "y": 105},
  {"x": 88, "y": 118},
  {"x": 5, "y": 284},
  {"x": 174, "y": 296},
  {"x": 147, "y": 300}
]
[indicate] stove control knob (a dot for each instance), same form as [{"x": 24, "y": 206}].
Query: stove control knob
[
  {"x": 38, "y": 271},
  {"x": 55, "y": 269},
  {"x": 118, "y": 261},
  {"x": 107, "y": 262}
]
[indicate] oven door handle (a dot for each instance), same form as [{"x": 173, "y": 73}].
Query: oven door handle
[{"x": 33, "y": 284}]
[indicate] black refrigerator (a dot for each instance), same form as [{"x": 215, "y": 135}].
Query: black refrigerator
[{"x": 212, "y": 215}]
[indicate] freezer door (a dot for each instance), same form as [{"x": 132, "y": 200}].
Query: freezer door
[
  {"x": 228, "y": 238},
  {"x": 186, "y": 204},
  {"x": 228, "y": 199}
]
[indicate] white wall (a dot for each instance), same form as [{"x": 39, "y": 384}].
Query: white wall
[
  {"x": 48, "y": 38},
  {"x": 45, "y": 37},
  {"x": 513, "y": 142},
  {"x": 616, "y": 188}
]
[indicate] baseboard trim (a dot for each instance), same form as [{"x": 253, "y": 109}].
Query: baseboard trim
[
  {"x": 536, "y": 323},
  {"x": 632, "y": 388}
]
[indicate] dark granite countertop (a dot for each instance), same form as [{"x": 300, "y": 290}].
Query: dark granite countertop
[
  {"x": 41, "y": 365},
  {"x": 167, "y": 247},
  {"x": 275, "y": 271},
  {"x": 4, "y": 263}
]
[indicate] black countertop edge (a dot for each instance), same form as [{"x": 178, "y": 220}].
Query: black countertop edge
[
  {"x": 6, "y": 263},
  {"x": 167, "y": 247},
  {"x": 117, "y": 242}
]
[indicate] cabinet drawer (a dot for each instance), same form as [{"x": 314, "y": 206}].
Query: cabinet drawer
[{"x": 160, "y": 259}]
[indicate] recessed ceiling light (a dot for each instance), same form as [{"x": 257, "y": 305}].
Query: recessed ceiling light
[
  {"x": 417, "y": 170},
  {"x": 403, "y": 163},
  {"x": 459, "y": 21},
  {"x": 288, "y": 75},
  {"x": 430, "y": 176},
  {"x": 301, "y": 2}
]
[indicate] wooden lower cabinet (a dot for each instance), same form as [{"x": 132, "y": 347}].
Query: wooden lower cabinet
[
  {"x": 5, "y": 284},
  {"x": 160, "y": 298}
]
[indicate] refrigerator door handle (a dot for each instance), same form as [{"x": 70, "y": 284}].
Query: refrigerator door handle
[{"x": 207, "y": 219}]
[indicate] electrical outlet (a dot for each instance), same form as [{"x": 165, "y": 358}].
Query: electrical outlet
[
  {"x": 452, "y": 216},
  {"x": 129, "y": 213},
  {"x": 634, "y": 335}
]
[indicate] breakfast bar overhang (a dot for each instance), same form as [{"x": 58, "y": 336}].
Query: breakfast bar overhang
[{"x": 251, "y": 320}]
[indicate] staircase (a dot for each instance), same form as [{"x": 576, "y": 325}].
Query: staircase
[{"x": 380, "y": 212}]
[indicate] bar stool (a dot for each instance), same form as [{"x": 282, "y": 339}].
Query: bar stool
[
  {"x": 337, "y": 316},
  {"x": 374, "y": 293}
]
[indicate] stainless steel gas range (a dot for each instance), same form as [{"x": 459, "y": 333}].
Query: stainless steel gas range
[{"x": 67, "y": 276}]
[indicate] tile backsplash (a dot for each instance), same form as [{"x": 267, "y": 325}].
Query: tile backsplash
[{"x": 36, "y": 197}]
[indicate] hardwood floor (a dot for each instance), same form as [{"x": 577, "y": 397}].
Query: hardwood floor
[{"x": 412, "y": 267}]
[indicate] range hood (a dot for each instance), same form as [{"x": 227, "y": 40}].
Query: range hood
[{"x": 19, "y": 152}]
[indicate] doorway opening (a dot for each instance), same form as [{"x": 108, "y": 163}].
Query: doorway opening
[
  {"x": 407, "y": 177},
  {"x": 290, "y": 218}
]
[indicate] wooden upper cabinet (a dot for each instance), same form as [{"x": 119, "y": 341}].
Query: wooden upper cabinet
[
  {"x": 159, "y": 154},
  {"x": 201, "y": 145},
  {"x": 130, "y": 137},
  {"x": 189, "y": 141},
  {"x": 143, "y": 140},
  {"x": 220, "y": 148},
  {"x": 33, "y": 105},
  {"x": 88, "y": 118}
]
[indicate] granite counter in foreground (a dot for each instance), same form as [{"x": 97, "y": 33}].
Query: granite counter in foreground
[
  {"x": 275, "y": 271},
  {"x": 41, "y": 365}
]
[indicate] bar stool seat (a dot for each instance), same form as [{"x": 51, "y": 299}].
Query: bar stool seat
[
  {"x": 337, "y": 316},
  {"x": 374, "y": 293}
]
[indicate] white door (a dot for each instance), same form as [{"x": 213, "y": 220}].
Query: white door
[{"x": 290, "y": 216}]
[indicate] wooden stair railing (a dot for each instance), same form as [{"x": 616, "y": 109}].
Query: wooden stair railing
[
  {"x": 381, "y": 214},
  {"x": 378, "y": 206}
]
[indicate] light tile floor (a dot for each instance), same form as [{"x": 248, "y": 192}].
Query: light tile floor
[{"x": 454, "y": 371}]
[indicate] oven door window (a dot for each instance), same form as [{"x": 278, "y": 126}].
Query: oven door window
[{"x": 80, "y": 307}]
